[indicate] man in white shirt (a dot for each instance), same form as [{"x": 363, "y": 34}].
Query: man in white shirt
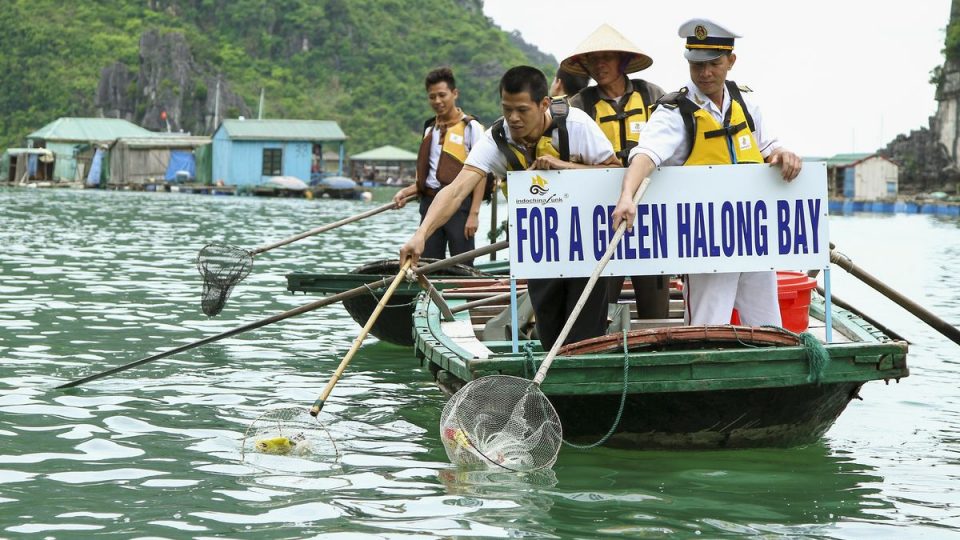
[
  {"x": 530, "y": 136},
  {"x": 711, "y": 122},
  {"x": 447, "y": 140}
]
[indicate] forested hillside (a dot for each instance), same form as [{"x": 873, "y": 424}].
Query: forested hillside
[{"x": 360, "y": 62}]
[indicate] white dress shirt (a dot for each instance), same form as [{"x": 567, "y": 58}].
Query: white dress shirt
[{"x": 664, "y": 138}]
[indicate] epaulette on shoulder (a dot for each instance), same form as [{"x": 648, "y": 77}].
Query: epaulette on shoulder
[
  {"x": 672, "y": 99},
  {"x": 744, "y": 88}
]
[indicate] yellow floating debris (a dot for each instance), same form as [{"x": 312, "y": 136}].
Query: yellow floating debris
[{"x": 276, "y": 445}]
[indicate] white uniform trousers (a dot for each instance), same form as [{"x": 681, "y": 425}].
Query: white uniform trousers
[{"x": 711, "y": 298}]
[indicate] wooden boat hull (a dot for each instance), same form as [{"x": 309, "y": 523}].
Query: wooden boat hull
[
  {"x": 680, "y": 398},
  {"x": 713, "y": 419}
]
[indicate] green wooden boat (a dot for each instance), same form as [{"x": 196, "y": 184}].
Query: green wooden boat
[
  {"x": 395, "y": 324},
  {"x": 699, "y": 393}
]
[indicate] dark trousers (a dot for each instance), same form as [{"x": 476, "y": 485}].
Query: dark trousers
[
  {"x": 652, "y": 295},
  {"x": 553, "y": 301},
  {"x": 451, "y": 233}
]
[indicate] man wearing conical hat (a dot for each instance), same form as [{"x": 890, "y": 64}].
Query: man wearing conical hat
[
  {"x": 620, "y": 106},
  {"x": 711, "y": 121}
]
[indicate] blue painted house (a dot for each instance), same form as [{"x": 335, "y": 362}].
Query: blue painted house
[
  {"x": 250, "y": 152},
  {"x": 862, "y": 177}
]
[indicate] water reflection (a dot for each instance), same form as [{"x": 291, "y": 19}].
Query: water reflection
[{"x": 771, "y": 490}]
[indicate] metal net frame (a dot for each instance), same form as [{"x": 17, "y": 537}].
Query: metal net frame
[
  {"x": 501, "y": 421},
  {"x": 221, "y": 267},
  {"x": 288, "y": 431}
]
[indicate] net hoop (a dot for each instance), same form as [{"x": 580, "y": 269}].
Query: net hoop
[
  {"x": 501, "y": 421},
  {"x": 221, "y": 267},
  {"x": 288, "y": 431}
]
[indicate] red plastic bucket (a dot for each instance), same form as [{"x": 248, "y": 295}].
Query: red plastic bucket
[{"x": 793, "y": 294}]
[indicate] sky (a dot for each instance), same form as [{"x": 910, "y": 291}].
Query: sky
[{"x": 830, "y": 77}]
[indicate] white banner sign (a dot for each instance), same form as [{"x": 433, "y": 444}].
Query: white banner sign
[{"x": 721, "y": 218}]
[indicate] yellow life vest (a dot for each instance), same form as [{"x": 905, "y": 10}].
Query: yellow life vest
[
  {"x": 516, "y": 159},
  {"x": 454, "y": 142},
  {"x": 453, "y": 152},
  {"x": 622, "y": 129},
  {"x": 544, "y": 148},
  {"x": 712, "y": 143}
]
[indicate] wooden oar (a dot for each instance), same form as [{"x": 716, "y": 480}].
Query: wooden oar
[
  {"x": 480, "y": 302},
  {"x": 329, "y": 226},
  {"x": 951, "y": 332},
  {"x": 318, "y": 404},
  {"x": 587, "y": 289},
  {"x": 841, "y": 303},
  {"x": 363, "y": 289}
]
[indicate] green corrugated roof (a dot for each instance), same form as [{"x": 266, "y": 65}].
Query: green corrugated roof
[
  {"x": 284, "y": 130},
  {"x": 841, "y": 160},
  {"x": 385, "y": 153},
  {"x": 88, "y": 130}
]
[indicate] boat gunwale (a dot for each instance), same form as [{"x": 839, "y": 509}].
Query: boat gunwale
[{"x": 872, "y": 356}]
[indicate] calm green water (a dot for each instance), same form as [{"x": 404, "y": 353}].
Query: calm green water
[{"x": 89, "y": 280}]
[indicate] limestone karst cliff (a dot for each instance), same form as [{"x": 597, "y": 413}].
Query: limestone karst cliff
[{"x": 929, "y": 157}]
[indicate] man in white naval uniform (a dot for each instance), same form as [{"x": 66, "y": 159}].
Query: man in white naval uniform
[{"x": 708, "y": 122}]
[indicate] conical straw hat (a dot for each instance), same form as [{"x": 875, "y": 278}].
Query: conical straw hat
[{"x": 606, "y": 38}]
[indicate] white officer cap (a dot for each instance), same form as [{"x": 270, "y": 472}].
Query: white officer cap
[{"x": 706, "y": 40}]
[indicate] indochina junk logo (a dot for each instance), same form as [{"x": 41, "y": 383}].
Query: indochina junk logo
[
  {"x": 538, "y": 185},
  {"x": 541, "y": 193}
]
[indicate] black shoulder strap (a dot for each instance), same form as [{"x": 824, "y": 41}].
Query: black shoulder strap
[
  {"x": 589, "y": 98},
  {"x": 513, "y": 163},
  {"x": 559, "y": 109},
  {"x": 673, "y": 99},
  {"x": 428, "y": 124},
  {"x": 686, "y": 108},
  {"x": 736, "y": 95},
  {"x": 640, "y": 86},
  {"x": 678, "y": 100}
]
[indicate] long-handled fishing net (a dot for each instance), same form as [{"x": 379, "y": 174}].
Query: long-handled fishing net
[
  {"x": 506, "y": 421},
  {"x": 501, "y": 421},
  {"x": 223, "y": 266},
  {"x": 288, "y": 431},
  {"x": 316, "y": 304},
  {"x": 296, "y": 430},
  {"x": 318, "y": 404}
]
